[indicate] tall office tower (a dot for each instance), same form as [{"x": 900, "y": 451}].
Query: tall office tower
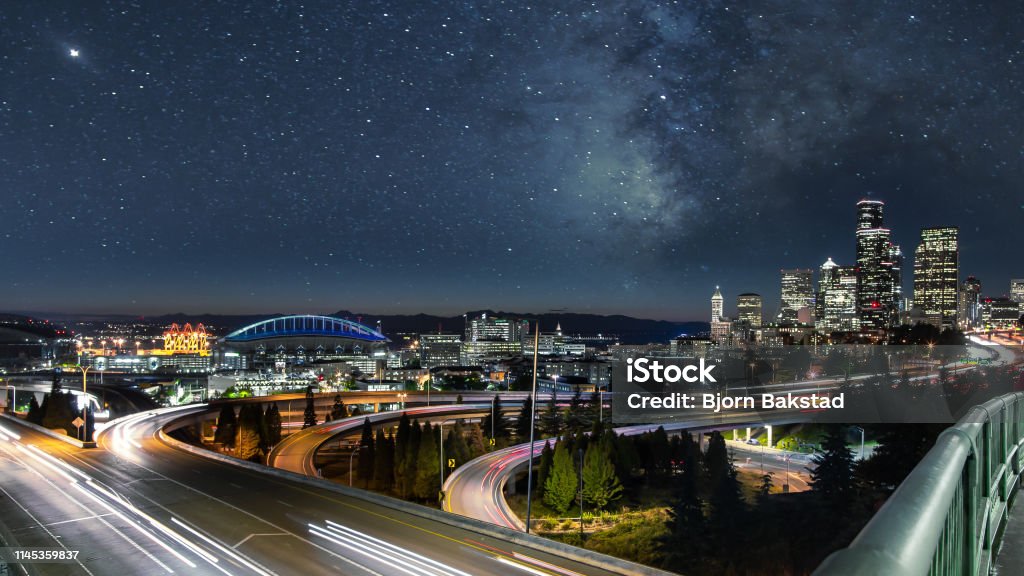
[
  {"x": 824, "y": 279},
  {"x": 896, "y": 258},
  {"x": 877, "y": 303},
  {"x": 968, "y": 303},
  {"x": 870, "y": 214},
  {"x": 716, "y": 306},
  {"x": 749, "y": 307},
  {"x": 797, "y": 294},
  {"x": 936, "y": 268},
  {"x": 841, "y": 312}
]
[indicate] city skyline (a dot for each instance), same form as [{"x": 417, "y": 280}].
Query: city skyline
[{"x": 619, "y": 158}]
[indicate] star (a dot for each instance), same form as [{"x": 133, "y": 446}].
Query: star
[{"x": 73, "y": 52}]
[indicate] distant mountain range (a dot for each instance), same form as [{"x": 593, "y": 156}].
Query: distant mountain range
[{"x": 629, "y": 330}]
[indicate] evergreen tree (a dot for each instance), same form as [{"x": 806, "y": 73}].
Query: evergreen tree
[
  {"x": 338, "y": 410},
  {"x": 765, "y": 487},
  {"x": 309, "y": 415},
  {"x": 561, "y": 485},
  {"x": 428, "y": 480},
  {"x": 458, "y": 399},
  {"x": 410, "y": 457},
  {"x": 455, "y": 446},
  {"x": 248, "y": 447},
  {"x": 832, "y": 477},
  {"x": 600, "y": 484},
  {"x": 728, "y": 511},
  {"x": 35, "y": 414},
  {"x": 494, "y": 423},
  {"x": 384, "y": 461},
  {"x": 476, "y": 442},
  {"x": 547, "y": 458},
  {"x": 551, "y": 421},
  {"x": 593, "y": 412},
  {"x": 273, "y": 419},
  {"x": 366, "y": 455},
  {"x": 685, "y": 546},
  {"x": 401, "y": 444},
  {"x": 59, "y": 410},
  {"x": 523, "y": 422},
  {"x": 576, "y": 419},
  {"x": 226, "y": 426},
  {"x": 57, "y": 383}
]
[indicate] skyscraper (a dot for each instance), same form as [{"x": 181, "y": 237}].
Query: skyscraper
[
  {"x": 797, "y": 295},
  {"x": 749, "y": 307},
  {"x": 936, "y": 271},
  {"x": 969, "y": 301},
  {"x": 879, "y": 261},
  {"x": 824, "y": 280},
  {"x": 841, "y": 313},
  {"x": 716, "y": 306}
]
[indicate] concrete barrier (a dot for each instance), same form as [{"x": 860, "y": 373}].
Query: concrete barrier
[
  {"x": 596, "y": 559},
  {"x": 62, "y": 437}
]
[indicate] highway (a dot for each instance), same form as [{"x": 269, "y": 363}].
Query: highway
[
  {"x": 297, "y": 452},
  {"x": 477, "y": 489},
  {"x": 283, "y": 527}
]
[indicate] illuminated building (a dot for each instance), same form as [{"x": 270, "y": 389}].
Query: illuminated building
[
  {"x": 969, "y": 303},
  {"x": 824, "y": 279},
  {"x": 185, "y": 350},
  {"x": 440, "y": 350},
  {"x": 716, "y": 305},
  {"x": 840, "y": 312},
  {"x": 749, "y": 309},
  {"x": 880, "y": 263},
  {"x": 936, "y": 272},
  {"x": 999, "y": 313},
  {"x": 797, "y": 295},
  {"x": 1017, "y": 290},
  {"x": 486, "y": 327},
  {"x": 299, "y": 340}
]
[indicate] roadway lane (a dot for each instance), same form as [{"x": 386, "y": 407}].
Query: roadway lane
[
  {"x": 297, "y": 452},
  {"x": 477, "y": 488},
  {"x": 49, "y": 502},
  {"x": 292, "y": 528}
]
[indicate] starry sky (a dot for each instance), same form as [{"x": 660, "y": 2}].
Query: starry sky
[{"x": 402, "y": 157}]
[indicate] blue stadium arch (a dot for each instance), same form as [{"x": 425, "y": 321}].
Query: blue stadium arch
[{"x": 305, "y": 325}]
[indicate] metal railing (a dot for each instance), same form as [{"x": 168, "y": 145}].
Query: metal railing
[{"x": 948, "y": 515}]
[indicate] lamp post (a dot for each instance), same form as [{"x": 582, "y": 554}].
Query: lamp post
[
  {"x": 85, "y": 417},
  {"x": 440, "y": 428},
  {"x": 580, "y": 452},
  {"x": 533, "y": 409},
  {"x": 401, "y": 400}
]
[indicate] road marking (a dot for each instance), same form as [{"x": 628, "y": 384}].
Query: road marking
[
  {"x": 233, "y": 507},
  {"x": 285, "y": 503},
  {"x": 246, "y": 539},
  {"x": 78, "y": 519}
]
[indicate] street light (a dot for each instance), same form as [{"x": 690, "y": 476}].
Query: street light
[
  {"x": 401, "y": 400},
  {"x": 580, "y": 452},
  {"x": 85, "y": 417},
  {"x": 533, "y": 409},
  {"x": 358, "y": 446}
]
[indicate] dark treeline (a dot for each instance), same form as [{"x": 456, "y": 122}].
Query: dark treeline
[{"x": 250, "y": 434}]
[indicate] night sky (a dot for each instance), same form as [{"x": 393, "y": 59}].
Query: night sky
[{"x": 390, "y": 157}]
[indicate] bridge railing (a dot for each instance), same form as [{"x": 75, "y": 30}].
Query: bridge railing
[{"x": 949, "y": 514}]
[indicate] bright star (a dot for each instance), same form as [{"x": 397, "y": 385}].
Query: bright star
[{"x": 73, "y": 53}]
